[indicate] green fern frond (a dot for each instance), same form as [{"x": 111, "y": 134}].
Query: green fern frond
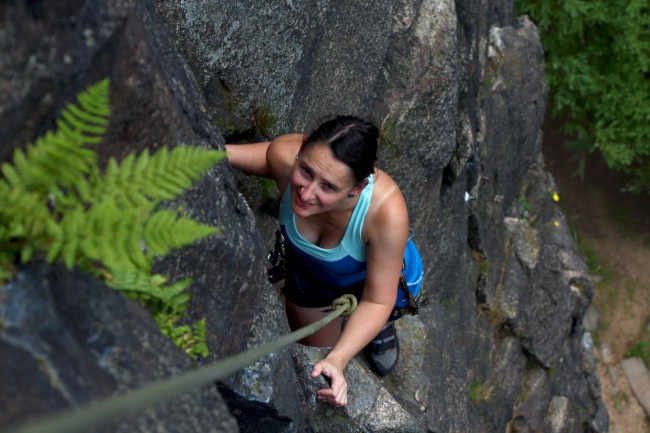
[
  {"x": 27, "y": 211},
  {"x": 72, "y": 232},
  {"x": 175, "y": 295},
  {"x": 132, "y": 281},
  {"x": 87, "y": 123},
  {"x": 120, "y": 238},
  {"x": 166, "y": 230},
  {"x": 114, "y": 235},
  {"x": 199, "y": 348},
  {"x": 158, "y": 177},
  {"x": 176, "y": 170},
  {"x": 60, "y": 159},
  {"x": 56, "y": 202},
  {"x": 148, "y": 287},
  {"x": 191, "y": 341}
]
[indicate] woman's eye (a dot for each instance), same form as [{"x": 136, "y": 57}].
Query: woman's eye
[{"x": 330, "y": 187}]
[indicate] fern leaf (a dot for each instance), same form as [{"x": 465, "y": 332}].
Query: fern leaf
[
  {"x": 10, "y": 174},
  {"x": 165, "y": 231},
  {"x": 178, "y": 302},
  {"x": 72, "y": 226},
  {"x": 129, "y": 234},
  {"x": 60, "y": 158},
  {"x": 132, "y": 280},
  {"x": 113, "y": 236},
  {"x": 84, "y": 121},
  {"x": 56, "y": 245},
  {"x": 149, "y": 286},
  {"x": 102, "y": 219},
  {"x": 178, "y": 169},
  {"x": 161, "y": 176},
  {"x": 89, "y": 121},
  {"x": 55, "y": 200},
  {"x": 96, "y": 99},
  {"x": 121, "y": 183},
  {"x": 174, "y": 294},
  {"x": 142, "y": 162},
  {"x": 83, "y": 189},
  {"x": 27, "y": 210}
]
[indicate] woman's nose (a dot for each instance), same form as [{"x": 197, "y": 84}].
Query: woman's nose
[{"x": 309, "y": 191}]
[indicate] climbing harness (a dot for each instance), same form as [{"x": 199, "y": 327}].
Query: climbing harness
[
  {"x": 81, "y": 419},
  {"x": 278, "y": 271},
  {"x": 415, "y": 301}
]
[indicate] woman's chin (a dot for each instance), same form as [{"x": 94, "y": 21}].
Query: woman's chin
[
  {"x": 302, "y": 208},
  {"x": 303, "y": 211}
]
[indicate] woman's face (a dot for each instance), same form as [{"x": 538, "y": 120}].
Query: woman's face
[{"x": 319, "y": 182}]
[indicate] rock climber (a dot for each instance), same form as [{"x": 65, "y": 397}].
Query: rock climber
[{"x": 346, "y": 230}]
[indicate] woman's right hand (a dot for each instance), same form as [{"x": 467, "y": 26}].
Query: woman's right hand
[{"x": 337, "y": 393}]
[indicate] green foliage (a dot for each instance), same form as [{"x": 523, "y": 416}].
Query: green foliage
[
  {"x": 57, "y": 203},
  {"x": 641, "y": 349},
  {"x": 191, "y": 341},
  {"x": 592, "y": 260},
  {"x": 598, "y": 70},
  {"x": 387, "y": 133},
  {"x": 264, "y": 120},
  {"x": 269, "y": 188},
  {"x": 480, "y": 391},
  {"x": 244, "y": 124}
]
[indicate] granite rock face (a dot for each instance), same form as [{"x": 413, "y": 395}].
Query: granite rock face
[
  {"x": 49, "y": 54},
  {"x": 67, "y": 340},
  {"x": 459, "y": 93}
]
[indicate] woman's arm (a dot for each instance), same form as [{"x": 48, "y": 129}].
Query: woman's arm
[
  {"x": 386, "y": 244},
  {"x": 249, "y": 158},
  {"x": 270, "y": 159},
  {"x": 281, "y": 158}
]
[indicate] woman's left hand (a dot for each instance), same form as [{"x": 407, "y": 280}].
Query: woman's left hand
[{"x": 337, "y": 394}]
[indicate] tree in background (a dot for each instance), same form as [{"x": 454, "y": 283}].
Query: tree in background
[{"x": 597, "y": 55}]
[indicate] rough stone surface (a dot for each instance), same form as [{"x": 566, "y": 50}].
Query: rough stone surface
[
  {"x": 639, "y": 379},
  {"x": 590, "y": 321},
  {"x": 561, "y": 418},
  {"x": 371, "y": 407},
  {"x": 52, "y": 53},
  {"x": 68, "y": 340},
  {"x": 458, "y": 90}
]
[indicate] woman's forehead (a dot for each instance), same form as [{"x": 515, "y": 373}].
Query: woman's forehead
[{"x": 319, "y": 158}]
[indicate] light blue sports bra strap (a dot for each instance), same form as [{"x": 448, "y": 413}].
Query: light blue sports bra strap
[{"x": 355, "y": 226}]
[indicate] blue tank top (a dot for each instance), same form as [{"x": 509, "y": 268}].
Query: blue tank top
[
  {"x": 316, "y": 276},
  {"x": 326, "y": 272}
]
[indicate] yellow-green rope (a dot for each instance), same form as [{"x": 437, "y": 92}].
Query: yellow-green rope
[{"x": 80, "y": 419}]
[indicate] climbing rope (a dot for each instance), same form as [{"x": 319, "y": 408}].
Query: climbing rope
[
  {"x": 344, "y": 302},
  {"x": 81, "y": 419}
]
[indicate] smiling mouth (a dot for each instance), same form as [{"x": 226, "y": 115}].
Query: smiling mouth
[{"x": 301, "y": 202}]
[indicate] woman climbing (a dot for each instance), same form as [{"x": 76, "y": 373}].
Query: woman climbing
[{"x": 346, "y": 230}]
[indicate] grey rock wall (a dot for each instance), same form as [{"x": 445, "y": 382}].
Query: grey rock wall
[
  {"x": 459, "y": 92},
  {"x": 67, "y": 341}
]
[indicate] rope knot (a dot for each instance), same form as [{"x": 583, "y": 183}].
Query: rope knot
[{"x": 348, "y": 302}]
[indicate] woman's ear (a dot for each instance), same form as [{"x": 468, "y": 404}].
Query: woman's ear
[{"x": 357, "y": 189}]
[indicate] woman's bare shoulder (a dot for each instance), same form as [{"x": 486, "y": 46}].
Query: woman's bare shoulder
[
  {"x": 387, "y": 209},
  {"x": 385, "y": 189},
  {"x": 281, "y": 157},
  {"x": 284, "y": 149}
]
